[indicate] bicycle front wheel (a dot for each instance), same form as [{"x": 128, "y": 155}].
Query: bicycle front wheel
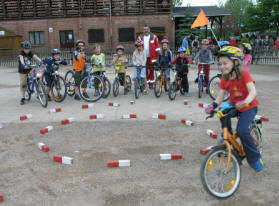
[
  {"x": 128, "y": 82},
  {"x": 172, "y": 91},
  {"x": 91, "y": 88},
  {"x": 157, "y": 88},
  {"x": 115, "y": 87},
  {"x": 41, "y": 92},
  {"x": 200, "y": 85},
  {"x": 257, "y": 137},
  {"x": 216, "y": 181},
  {"x": 107, "y": 87},
  {"x": 58, "y": 89},
  {"x": 70, "y": 82},
  {"x": 137, "y": 89}
]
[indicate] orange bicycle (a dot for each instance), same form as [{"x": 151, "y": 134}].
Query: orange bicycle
[
  {"x": 220, "y": 170},
  {"x": 160, "y": 81}
]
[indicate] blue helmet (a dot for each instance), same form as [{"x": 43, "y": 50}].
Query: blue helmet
[
  {"x": 181, "y": 49},
  {"x": 26, "y": 45},
  {"x": 55, "y": 51},
  {"x": 223, "y": 43}
]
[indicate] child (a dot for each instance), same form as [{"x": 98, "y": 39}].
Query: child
[
  {"x": 204, "y": 56},
  {"x": 164, "y": 59},
  {"x": 139, "y": 60},
  {"x": 246, "y": 49},
  {"x": 25, "y": 57},
  {"x": 181, "y": 62},
  {"x": 52, "y": 64},
  {"x": 120, "y": 62},
  {"x": 79, "y": 66},
  {"x": 242, "y": 91}
]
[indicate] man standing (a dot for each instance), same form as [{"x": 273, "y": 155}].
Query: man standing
[
  {"x": 151, "y": 48},
  {"x": 257, "y": 49},
  {"x": 186, "y": 42}
]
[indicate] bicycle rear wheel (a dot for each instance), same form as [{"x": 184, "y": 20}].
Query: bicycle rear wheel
[
  {"x": 70, "y": 82},
  {"x": 172, "y": 91},
  {"x": 91, "y": 88},
  {"x": 58, "y": 89},
  {"x": 128, "y": 82},
  {"x": 107, "y": 87},
  {"x": 41, "y": 92},
  {"x": 28, "y": 93},
  {"x": 157, "y": 87},
  {"x": 115, "y": 87},
  {"x": 214, "y": 178},
  {"x": 257, "y": 137}
]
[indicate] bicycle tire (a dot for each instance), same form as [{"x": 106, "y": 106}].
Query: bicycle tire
[
  {"x": 213, "y": 88},
  {"x": 58, "y": 85},
  {"x": 41, "y": 92},
  {"x": 136, "y": 88},
  {"x": 166, "y": 85},
  {"x": 28, "y": 93},
  {"x": 128, "y": 82},
  {"x": 115, "y": 87},
  {"x": 93, "y": 93},
  {"x": 157, "y": 88},
  {"x": 200, "y": 86},
  {"x": 70, "y": 82},
  {"x": 107, "y": 87},
  {"x": 172, "y": 91},
  {"x": 232, "y": 185},
  {"x": 256, "y": 135}
]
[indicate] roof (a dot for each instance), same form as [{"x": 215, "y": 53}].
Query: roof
[{"x": 210, "y": 11}]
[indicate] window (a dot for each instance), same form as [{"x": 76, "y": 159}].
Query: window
[
  {"x": 96, "y": 35},
  {"x": 37, "y": 37},
  {"x": 126, "y": 34},
  {"x": 159, "y": 31}
]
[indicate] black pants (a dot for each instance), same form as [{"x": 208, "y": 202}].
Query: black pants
[{"x": 185, "y": 83}]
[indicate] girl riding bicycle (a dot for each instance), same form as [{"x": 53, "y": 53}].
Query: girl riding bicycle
[
  {"x": 52, "y": 64},
  {"x": 164, "y": 58},
  {"x": 25, "y": 57},
  {"x": 139, "y": 60},
  {"x": 242, "y": 91},
  {"x": 246, "y": 48},
  {"x": 181, "y": 62}
]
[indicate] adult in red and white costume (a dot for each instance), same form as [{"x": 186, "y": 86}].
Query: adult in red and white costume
[{"x": 151, "y": 48}]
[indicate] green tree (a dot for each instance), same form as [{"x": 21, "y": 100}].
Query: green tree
[
  {"x": 263, "y": 16},
  {"x": 177, "y": 2}
]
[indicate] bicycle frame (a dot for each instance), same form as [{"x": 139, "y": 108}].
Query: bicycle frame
[
  {"x": 32, "y": 79},
  {"x": 201, "y": 76},
  {"x": 138, "y": 77}
]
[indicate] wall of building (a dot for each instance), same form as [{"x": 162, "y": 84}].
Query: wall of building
[{"x": 81, "y": 25}]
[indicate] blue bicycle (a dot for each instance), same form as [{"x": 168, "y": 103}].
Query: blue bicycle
[
  {"x": 35, "y": 84},
  {"x": 201, "y": 79},
  {"x": 139, "y": 85}
]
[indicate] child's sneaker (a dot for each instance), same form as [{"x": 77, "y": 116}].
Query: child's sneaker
[
  {"x": 187, "y": 94},
  {"x": 258, "y": 165},
  {"x": 22, "y": 101},
  {"x": 77, "y": 97}
]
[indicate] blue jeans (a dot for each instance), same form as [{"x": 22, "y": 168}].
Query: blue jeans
[{"x": 243, "y": 132}]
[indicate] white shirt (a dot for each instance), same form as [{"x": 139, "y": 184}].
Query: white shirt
[{"x": 146, "y": 45}]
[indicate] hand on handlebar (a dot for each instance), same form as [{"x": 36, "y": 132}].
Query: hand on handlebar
[{"x": 210, "y": 108}]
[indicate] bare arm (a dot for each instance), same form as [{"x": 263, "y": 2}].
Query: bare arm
[
  {"x": 252, "y": 92},
  {"x": 220, "y": 97},
  {"x": 21, "y": 59},
  {"x": 37, "y": 58}
]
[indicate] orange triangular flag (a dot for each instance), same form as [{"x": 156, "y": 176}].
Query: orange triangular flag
[{"x": 201, "y": 20}]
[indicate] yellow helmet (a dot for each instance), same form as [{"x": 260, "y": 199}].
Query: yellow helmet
[
  {"x": 247, "y": 46},
  {"x": 231, "y": 52}
]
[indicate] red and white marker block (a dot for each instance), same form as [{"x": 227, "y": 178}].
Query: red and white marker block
[
  {"x": 1, "y": 197},
  {"x": 25, "y": 117},
  {"x": 265, "y": 119},
  {"x": 67, "y": 121},
  {"x": 63, "y": 159},
  {"x": 204, "y": 151},
  {"x": 46, "y": 130},
  {"x": 55, "y": 110},
  {"x": 113, "y": 104},
  {"x": 43, "y": 147},
  {"x": 96, "y": 116},
  {"x": 185, "y": 102},
  {"x": 212, "y": 134},
  {"x": 129, "y": 116},
  {"x": 118, "y": 163},
  {"x": 203, "y": 105},
  {"x": 174, "y": 156},
  {"x": 86, "y": 106},
  {"x": 187, "y": 122},
  {"x": 158, "y": 116},
  {"x": 132, "y": 102}
]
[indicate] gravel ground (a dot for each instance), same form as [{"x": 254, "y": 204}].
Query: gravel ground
[{"x": 28, "y": 176}]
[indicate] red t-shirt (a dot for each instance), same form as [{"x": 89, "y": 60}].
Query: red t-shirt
[
  {"x": 238, "y": 89},
  {"x": 232, "y": 42},
  {"x": 276, "y": 44}
]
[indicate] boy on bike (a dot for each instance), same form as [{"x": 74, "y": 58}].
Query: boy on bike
[
  {"x": 181, "y": 62},
  {"x": 52, "y": 65},
  {"x": 139, "y": 60},
  {"x": 241, "y": 87},
  {"x": 25, "y": 57},
  {"x": 79, "y": 66},
  {"x": 204, "y": 56},
  {"x": 120, "y": 62},
  {"x": 164, "y": 58}
]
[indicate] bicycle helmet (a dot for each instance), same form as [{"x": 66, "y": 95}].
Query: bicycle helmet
[
  {"x": 205, "y": 41},
  {"x": 55, "y": 51},
  {"x": 165, "y": 41},
  {"x": 80, "y": 41},
  {"x": 26, "y": 45},
  {"x": 181, "y": 49},
  {"x": 120, "y": 47},
  {"x": 223, "y": 43},
  {"x": 139, "y": 43},
  {"x": 247, "y": 46}
]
